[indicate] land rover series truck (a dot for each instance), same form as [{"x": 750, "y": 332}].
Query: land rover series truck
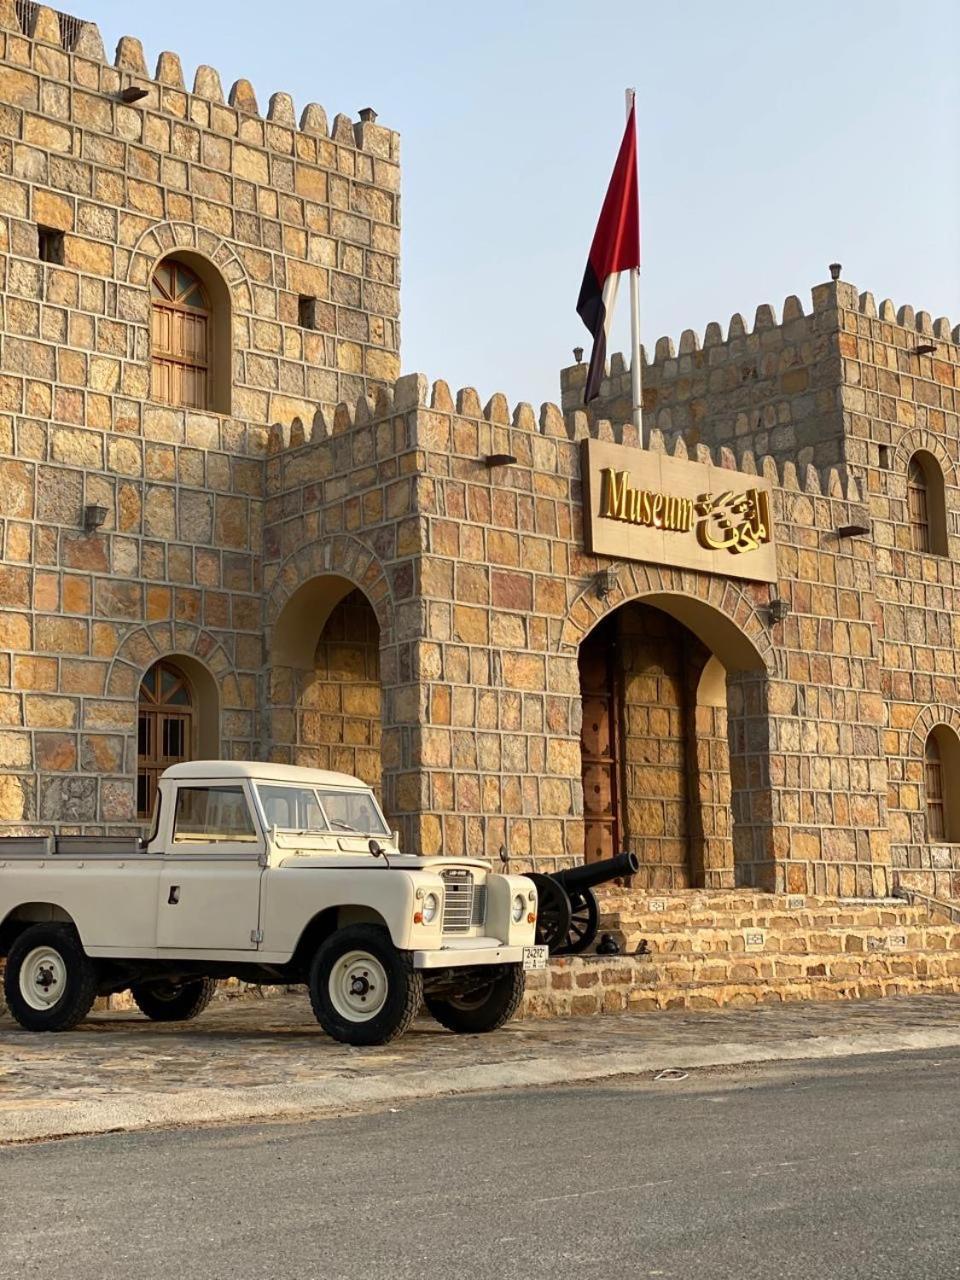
[{"x": 274, "y": 875}]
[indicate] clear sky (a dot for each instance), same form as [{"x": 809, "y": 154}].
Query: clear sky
[{"x": 775, "y": 138}]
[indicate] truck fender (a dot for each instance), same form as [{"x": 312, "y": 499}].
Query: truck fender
[
  {"x": 325, "y": 923},
  {"x": 26, "y": 914}
]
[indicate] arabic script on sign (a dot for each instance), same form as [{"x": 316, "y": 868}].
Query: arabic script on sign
[{"x": 734, "y": 522}]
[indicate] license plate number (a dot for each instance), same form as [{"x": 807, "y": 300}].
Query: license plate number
[{"x": 535, "y": 957}]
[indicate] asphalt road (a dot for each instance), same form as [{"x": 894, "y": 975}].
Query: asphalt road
[{"x": 811, "y": 1170}]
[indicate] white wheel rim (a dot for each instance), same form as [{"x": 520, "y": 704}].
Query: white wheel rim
[
  {"x": 43, "y": 978},
  {"x": 358, "y": 986}
]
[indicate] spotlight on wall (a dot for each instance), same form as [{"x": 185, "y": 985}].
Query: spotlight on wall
[
  {"x": 605, "y": 582},
  {"x": 132, "y": 93},
  {"x": 777, "y": 611},
  {"x": 500, "y": 460},
  {"x": 852, "y": 530},
  {"x": 93, "y": 516}
]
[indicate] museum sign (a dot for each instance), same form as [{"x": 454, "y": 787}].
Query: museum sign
[{"x": 640, "y": 505}]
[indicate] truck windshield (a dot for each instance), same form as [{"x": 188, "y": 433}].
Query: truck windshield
[
  {"x": 291, "y": 808},
  {"x": 321, "y": 810}
]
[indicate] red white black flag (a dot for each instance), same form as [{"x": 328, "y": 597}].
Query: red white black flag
[{"x": 615, "y": 248}]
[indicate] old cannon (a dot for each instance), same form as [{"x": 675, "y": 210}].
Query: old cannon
[{"x": 567, "y": 914}]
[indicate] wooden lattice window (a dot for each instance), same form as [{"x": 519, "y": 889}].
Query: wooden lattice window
[
  {"x": 918, "y": 507},
  {"x": 181, "y": 337},
  {"x": 164, "y": 729}
]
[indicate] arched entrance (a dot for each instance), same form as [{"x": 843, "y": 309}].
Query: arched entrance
[
  {"x": 325, "y": 692},
  {"x": 672, "y": 743}
]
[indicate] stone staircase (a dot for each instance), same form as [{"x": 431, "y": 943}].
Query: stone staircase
[{"x": 701, "y": 950}]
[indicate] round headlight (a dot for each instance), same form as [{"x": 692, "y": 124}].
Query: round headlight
[
  {"x": 519, "y": 908},
  {"x": 431, "y": 905}
]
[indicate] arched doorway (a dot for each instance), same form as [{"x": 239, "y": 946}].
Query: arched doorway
[
  {"x": 325, "y": 690},
  {"x": 667, "y": 757},
  {"x": 177, "y": 719}
]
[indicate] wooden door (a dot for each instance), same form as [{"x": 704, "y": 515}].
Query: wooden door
[
  {"x": 164, "y": 729},
  {"x": 600, "y": 748}
]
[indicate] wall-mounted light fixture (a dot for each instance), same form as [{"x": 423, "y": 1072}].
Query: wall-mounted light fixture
[
  {"x": 499, "y": 460},
  {"x": 133, "y": 93},
  {"x": 367, "y": 115},
  {"x": 777, "y": 611},
  {"x": 578, "y": 354},
  {"x": 835, "y": 269},
  {"x": 93, "y": 516},
  {"x": 605, "y": 582},
  {"x": 852, "y": 530}
]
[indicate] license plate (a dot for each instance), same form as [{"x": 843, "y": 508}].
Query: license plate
[{"x": 535, "y": 957}]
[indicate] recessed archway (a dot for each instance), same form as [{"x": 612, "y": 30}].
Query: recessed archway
[
  {"x": 674, "y": 743},
  {"x": 325, "y": 699}
]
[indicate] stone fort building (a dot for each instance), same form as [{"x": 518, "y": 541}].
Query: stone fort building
[{"x": 229, "y": 527}]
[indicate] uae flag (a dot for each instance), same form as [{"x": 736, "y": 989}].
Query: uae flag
[{"x": 615, "y": 248}]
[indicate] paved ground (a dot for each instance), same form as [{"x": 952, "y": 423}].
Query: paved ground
[
  {"x": 258, "y": 1059},
  {"x": 823, "y": 1170}
]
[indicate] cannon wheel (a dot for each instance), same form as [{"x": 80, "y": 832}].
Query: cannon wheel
[
  {"x": 584, "y": 922},
  {"x": 553, "y": 911}
]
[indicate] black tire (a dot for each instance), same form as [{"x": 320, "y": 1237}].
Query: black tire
[
  {"x": 164, "y": 1001},
  {"x": 357, "y": 955},
  {"x": 483, "y": 1009},
  {"x": 44, "y": 957}
]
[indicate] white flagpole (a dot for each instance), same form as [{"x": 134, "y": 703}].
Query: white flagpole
[{"x": 636, "y": 392}]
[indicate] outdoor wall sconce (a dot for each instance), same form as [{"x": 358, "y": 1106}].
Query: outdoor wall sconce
[
  {"x": 835, "y": 269},
  {"x": 93, "y": 517},
  {"x": 578, "y": 354},
  {"x": 132, "y": 93},
  {"x": 500, "y": 460},
  {"x": 852, "y": 530},
  {"x": 777, "y": 611},
  {"x": 605, "y": 582}
]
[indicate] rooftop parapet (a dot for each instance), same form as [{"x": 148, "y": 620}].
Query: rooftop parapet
[
  {"x": 167, "y": 91},
  {"x": 414, "y": 393},
  {"x": 827, "y": 298}
]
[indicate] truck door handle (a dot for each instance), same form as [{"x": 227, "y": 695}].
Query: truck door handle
[{"x": 174, "y": 895}]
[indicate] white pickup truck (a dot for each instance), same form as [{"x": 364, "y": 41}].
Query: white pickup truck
[{"x": 271, "y": 874}]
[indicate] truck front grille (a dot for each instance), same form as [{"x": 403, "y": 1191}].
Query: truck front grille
[{"x": 460, "y": 900}]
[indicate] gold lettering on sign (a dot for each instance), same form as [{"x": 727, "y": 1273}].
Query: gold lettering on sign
[
  {"x": 734, "y": 522},
  {"x": 620, "y": 501}
]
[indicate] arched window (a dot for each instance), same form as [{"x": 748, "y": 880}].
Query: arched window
[
  {"x": 182, "y": 337},
  {"x": 926, "y": 504},
  {"x": 165, "y": 729},
  {"x": 941, "y": 785}
]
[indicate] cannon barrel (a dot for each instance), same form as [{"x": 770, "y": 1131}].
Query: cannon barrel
[{"x": 576, "y": 879}]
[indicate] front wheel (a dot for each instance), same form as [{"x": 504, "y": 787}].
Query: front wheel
[
  {"x": 165, "y": 1001},
  {"x": 481, "y": 1008},
  {"x": 50, "y": 982},
  {"x": 363, "y": 991}
]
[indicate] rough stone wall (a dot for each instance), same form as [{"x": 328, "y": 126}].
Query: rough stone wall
[
  {"x": 278, "y": 211},
  {"x": 898, "y": 400}
]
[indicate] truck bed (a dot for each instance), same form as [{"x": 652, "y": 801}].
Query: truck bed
[{"x": 70, "y": 846}]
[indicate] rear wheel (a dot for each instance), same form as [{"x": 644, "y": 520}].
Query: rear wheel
[
  {"x": 50, "y": 982},
  {"x": 363, "y": 990},
  {"x": 166, "y": 1001},
  {"x": 482, "y": 1008}
]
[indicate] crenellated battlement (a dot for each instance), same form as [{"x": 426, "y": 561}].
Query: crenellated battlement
[
  {"x": 414, "y": 392},
  {"x": 167, "y": 91},
  {"x": 784, "y": 386}
]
